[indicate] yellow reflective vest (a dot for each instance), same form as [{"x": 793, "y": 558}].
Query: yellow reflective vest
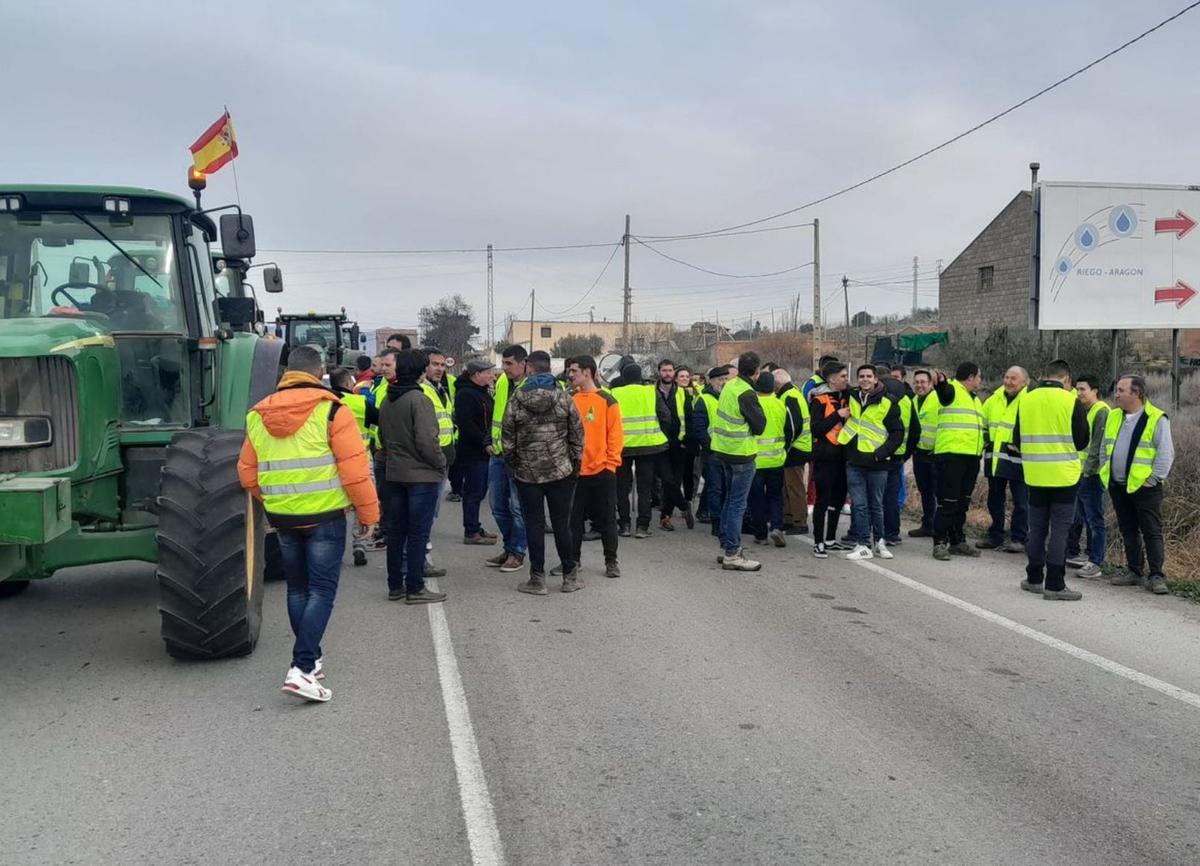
[
  {"x": 867, "y": 425},
  {"x": 1142, "y": 465},
  {"x": 298, "y": 474},
  {"x": 443, "y": 411},
  {"x": 928, "y": 408},
  {"x": 730, "y": 434},
  {"x": 771, "y": 452},
  {"x": 1001, "y": 416},
  {"x": 639, "y": 415},
  {"x": 803, "y": 439},
  {"x": 357, "y": 404},
  {"x": 503, "y": 386},
  {"x": 1048, "y": 454},
  {"x": 960, "y": 425}
]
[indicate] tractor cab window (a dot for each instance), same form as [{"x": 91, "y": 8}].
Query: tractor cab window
[{"x": 122, "y": 274}]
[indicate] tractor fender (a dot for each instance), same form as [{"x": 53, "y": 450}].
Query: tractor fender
[{"x": 264, "y": 368}]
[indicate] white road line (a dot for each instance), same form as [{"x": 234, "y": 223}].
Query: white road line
[
  {"x": 478, "y": 813},
  {"x": 1105, "y": 664}
]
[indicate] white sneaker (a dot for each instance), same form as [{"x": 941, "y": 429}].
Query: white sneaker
[
  {"x": 738, "y": 562},
  {"x": 881, "y": 550},
  {"x": 860, "y": 551},
  {"x": 319, "y": 671},
  {"x": 1090, "y": 569},
  {"x": 303, "y": 685}
]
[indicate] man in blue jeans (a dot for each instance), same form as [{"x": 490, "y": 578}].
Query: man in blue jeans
[
  {"x": 1089, "y": 504},
  {"x": 415, "y": 469},
  {"x": 734, "y": 438},
  {"x": 870, "y": 436},
  {"x": 502, "y": 489},
  {"x": 473, "y": 420},
  {"x": 304, "y": 457}
]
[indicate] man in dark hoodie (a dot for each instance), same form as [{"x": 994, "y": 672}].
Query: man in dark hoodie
[
  {"x": 414, "y": 471},
  {"x": 473, "y": 418},
  {"x": 542, "y": 438},
  {"x": 704, "y": 415},
  {"x": 871, "y": 435},
  {"x": 645, "y": 420}
]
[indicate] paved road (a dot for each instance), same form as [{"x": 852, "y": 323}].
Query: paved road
[{"x": 681, "y": 714}]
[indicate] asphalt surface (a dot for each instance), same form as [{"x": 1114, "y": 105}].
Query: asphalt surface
[{"x": 814, "y": 711}]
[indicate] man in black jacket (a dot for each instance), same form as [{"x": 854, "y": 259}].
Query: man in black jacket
[
  {"x": 902, "y": 395},
  {"x": 871, "y": 435},
  {"x": 473, "y": 418}
]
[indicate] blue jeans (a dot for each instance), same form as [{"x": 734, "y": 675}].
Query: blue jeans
[
  {"x": 410, "y": 512},
  {"x": 714, "y": 492},
  {"x": 766, "y": 501},
  {"x": 474, "y": 487},
  {"x": 736, "y": 479},
  {"x": 312, "y": 563},
  {"x": 1019, "y": 528},
  {"x": 866, "y": 488},
  {"x": 1089, "y": 508},
  {"x": 506, "y": 506},
  {"x": 892, "y": 501}
]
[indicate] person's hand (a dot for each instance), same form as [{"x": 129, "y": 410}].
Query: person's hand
[
  {"x": 367, "y": 531},
  {"x": 491, "y": 452},
  {"x": 844, "y": 412},
  {"x": 939, "y": 377}
]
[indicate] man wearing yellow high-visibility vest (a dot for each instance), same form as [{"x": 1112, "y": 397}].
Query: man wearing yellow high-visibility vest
[
  {"x": 1138, "y": 455},
  {"x": 433, "y": 384},
  {"x": 799, "y": 452},
  {"x": 645, "y": 420},
  {"x": 700, "y": 424},
  {"x": 957, "y": 449},
  {"x": 734, "y": 436},
  {"x": 766, "y": 491},
  {"x": 304, "y": 457},
  {"x": 926, "y": 406},
  {"x": 502, "y": 489},
  {"x": 1003, "y": 469},
  {"x": 1050, "y": 428},
  {"x": 870, "y": 436},
  {"x": 899, "y": 392},
  {"x": 1089, "y": 504}
]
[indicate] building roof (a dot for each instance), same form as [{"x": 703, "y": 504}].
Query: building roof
[{"x": 1025, "y": 194}]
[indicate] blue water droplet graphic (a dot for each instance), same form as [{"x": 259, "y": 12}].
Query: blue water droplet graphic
[
  {"x": 1087, "y": 236},
  {"x": 1122, "y": 221},
  {"x": 1087, "y": 239}
]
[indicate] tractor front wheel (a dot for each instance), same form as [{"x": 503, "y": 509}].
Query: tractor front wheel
[{"x": 210, "y": 549}]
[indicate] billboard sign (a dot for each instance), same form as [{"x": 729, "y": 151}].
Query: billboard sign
[{"x": 1118, "y": 257}]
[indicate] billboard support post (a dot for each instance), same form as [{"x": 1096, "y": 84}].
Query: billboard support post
[
  {"x": 1174, "y": 371},
  {"x": 1116, "y": 356}
]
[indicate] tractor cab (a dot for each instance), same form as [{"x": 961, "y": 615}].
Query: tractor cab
[{"x": 332, "y": 334}]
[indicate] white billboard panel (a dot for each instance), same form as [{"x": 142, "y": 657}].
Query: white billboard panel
[{"x": 1118, "y": 257}]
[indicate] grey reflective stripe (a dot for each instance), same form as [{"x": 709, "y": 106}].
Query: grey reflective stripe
[
  {"x": 952, "y": 411},
  {"x": 297, "y": 463},
  {"x": 639, "y": 418},
  {"x": 1048, "y": 439},
  {"x": 732, "y": 434},
  {"x": 307, "y": 487},
  {"x": 495, "y": 424},
  {"x": 778, "y": 452},
  {"x": 872, "y": 426},
  {"x": 1000, "y": 455},
  {"x": 1005, "y": 424},
  {"x": 730, "y": 419},
  {"x": 1065, "y": 457},
  {"x": 948, "y": 425},
  {"x": 1145, "y": 461}
]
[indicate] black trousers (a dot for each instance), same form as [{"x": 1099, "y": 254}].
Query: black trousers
[
  {"x": 1051, "y": 510},
  {"x": 956, "y": 476},
  {"x": 678, "y": 480},
  {"x": 925, "y": 471},
  {"x": 829, "y": 478},
  {"x": 643, "y": 467},
  {"x": 1139, "y": 516},
  {"x": 595, "y": 499},
  {"x": 535, "y": 498}
]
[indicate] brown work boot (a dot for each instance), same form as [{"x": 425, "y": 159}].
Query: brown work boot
[
  {"x": 512, "y": 562},
  {"x": 479, "y": 538},
  {"x": 666, "y": 524},
  {"x": 536, "y": 585},
  {"x": 498, "y": 560},
  {"x": 571, "y": 581}
]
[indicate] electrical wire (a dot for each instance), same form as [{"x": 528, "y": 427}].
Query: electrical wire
[
  {"x": 584, "y": 296},
  {"x": 948, "y": 141},
  {"x": 719, "y": 273},
  {"x": 433, "y": 251}
]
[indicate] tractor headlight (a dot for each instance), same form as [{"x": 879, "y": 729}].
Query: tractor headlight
[{"x": 28, "y": 432}]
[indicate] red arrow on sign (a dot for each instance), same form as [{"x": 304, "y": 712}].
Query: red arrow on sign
[
  {"x": 1181, "y": 224},
  {"x": 1178, "y": 294}
]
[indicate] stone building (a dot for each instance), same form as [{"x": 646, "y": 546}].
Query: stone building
[
  {"x": 987, "y": 285},
  {"x": 645, "y": 337}
]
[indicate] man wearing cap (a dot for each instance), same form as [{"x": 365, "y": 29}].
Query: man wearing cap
[{"x": 472, "y": 416}]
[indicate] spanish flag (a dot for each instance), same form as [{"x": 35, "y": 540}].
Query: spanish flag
[{"x": 216, "y": 147}]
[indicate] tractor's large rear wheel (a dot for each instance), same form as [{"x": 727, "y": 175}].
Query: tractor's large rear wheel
[{"x": 210, "y": 549}]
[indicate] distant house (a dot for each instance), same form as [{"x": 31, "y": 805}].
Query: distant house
[{"x": 644, "y": 337}]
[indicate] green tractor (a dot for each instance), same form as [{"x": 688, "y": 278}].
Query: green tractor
[
  {"x": 129, "y": 355},
  {"x": 332, "y": 334}
]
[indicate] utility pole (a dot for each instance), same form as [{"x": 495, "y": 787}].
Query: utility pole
[
  {"x": 914, "y": 308},
  {"x": 628, "y": 299},
  {"x": 846, "y": 297},
  {"x": 816, "y": 333},
  {"x": 491, "y": 304},
  {"x": 532, "y": 296}
]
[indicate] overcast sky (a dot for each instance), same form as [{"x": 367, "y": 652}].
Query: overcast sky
[{"x": 435, "y": 125}]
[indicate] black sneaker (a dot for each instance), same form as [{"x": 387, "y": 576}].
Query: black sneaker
[
  {"x": 623, "y": 530},
  {"x": 591, "y": 535},
  {"x": 819, "y": 551},
  {"x": 396, "y": 595},
  {"x": 360, "y": 557},
  {"x": 964, "y": 549},
  {"x": 425, "y": 596},
  {"x": 612, "y": 570},
  {"x": 986, "y": 544},
  {"x": 1031, "y": 587},
  {"x": 920, "y": 532}
]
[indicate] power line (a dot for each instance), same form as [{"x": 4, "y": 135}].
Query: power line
[
  {"x": 718, "y": 273},
  {"x": 435, "y": 251},
  {"x": 707, "y": 235},
  {"x": 595, "y": 282},
  {"x": 958, "y": 137}
]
